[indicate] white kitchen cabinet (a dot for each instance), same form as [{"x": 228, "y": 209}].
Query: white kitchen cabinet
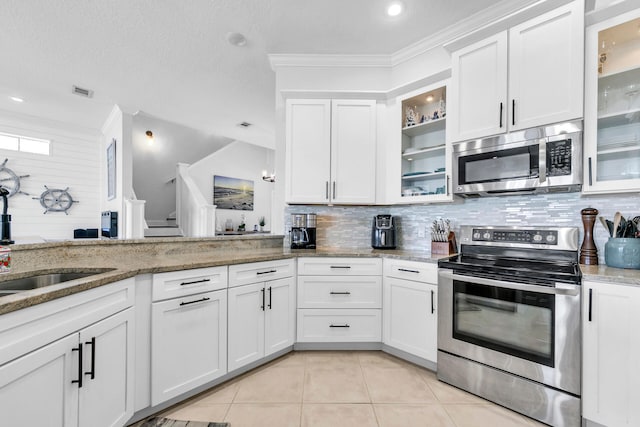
[
  {"x": 188, "y": 343},
  {"x": 410, "y": 321},
  {"x": 339, "y": 300},
  {"x": 612, "y": 105},
  {"x": 528, "y": 76},
  {"x": 425, "y": 156},
  {"x": 261, "y": 313},
  {"x": 610, "y": 352},
  {"x": 84, "y": 379},
  {"x": 330, "y": 151},
  {"x": 188, "y": 330},
  {"x": 83, "y": 374}
]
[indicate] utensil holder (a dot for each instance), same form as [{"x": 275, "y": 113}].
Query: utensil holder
[
  {"x": 622, "y": 253},
  {"x": 445, "y": 248}
]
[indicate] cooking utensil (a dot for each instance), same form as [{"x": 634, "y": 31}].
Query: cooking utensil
[
  {"x": 605, "y": 224},
  {"x": 616, "y": 223}
]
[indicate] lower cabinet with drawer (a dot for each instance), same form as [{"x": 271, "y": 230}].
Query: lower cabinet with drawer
[
  {"x": 339, "y": 300},
  {"x": 76, "y": 369},
  {"x": 261, "y": 310},
  {"x": 188, "y": 331},
  {"x": 410, "y": 320}
]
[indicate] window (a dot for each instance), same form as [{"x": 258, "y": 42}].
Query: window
[{"x": 24, "y": 144}]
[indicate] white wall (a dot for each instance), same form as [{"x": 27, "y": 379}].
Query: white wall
[
  {"x": 244, "y": 161},
  {"x": 75, "y": 162}
]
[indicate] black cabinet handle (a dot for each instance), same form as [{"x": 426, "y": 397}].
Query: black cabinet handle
[
  {"x": 196, "y": 301},
  {"x": 406, "y": 270},
  {"x": 262, "y": 306},
  {"x": 79, "y": 380},
  {"x": 270, "y": 298},
  {"x": 432, "y": 307},
  {"x": 340, "y": 293},
  {"x": 501, "y": 115},
  {"x": 92, "y": 372},
  {"x": 340, "y": 326},
  {"x": 513, "y": 112},
  {"x": 266, "y": 272},
  {"x": 326, "y": 189},
  {"x": 447, "y": 184},
  {"x": 340, "y": 266},
  {"x": 194, "y": 282},
  {"x": 334, "y": 189},
  {"x": 590, "y": 173},
  {"x": 590, "y": 302}
]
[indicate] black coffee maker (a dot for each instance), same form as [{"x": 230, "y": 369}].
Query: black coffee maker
[
  {"x": 303, "y": 231},
  {"x": 383, "y": 232}
]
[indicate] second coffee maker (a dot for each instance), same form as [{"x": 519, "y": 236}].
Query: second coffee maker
[{"x": 303, "y": 231}]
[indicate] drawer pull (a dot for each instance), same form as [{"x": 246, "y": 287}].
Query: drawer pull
[
  {"x": 92, "y": 372},
  {"x": 193, "y": 302},
  {"x": 339, "y": 326},
  {"x": 195, "y": 281},
  {"x": 79, "y": 380},
  {"x": 340, "y": 266},
  {"x": 409, "y": 271},
  {"x": 432, "y": 308},
  {"x": 340, "y": 293},
  {"x": 266, "y": 272}
]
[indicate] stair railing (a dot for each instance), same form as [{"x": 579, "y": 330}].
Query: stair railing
[{"x": 194, "y": 215}]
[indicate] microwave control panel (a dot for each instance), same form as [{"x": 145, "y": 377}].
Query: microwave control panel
[{"x": 559, "y": 157}]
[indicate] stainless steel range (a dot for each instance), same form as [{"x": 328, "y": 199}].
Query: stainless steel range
[{"x": 509, "y": 320}]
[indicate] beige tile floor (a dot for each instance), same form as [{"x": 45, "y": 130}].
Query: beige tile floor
[{"x": 331, "y": 389}]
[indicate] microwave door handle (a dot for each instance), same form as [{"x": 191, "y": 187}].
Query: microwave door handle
[
  {"x": 559, "y": 289},
  {"x": 542, "y": 158}
]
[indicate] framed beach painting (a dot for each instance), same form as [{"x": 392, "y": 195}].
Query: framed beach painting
[{"x": 232, "y": 193}]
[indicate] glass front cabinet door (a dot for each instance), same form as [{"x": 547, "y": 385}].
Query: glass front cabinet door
[
  {"x": 425, "y": 174},
  {"x": 612, "y": 105}
]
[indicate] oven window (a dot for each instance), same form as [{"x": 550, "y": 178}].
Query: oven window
[
  {"x": 513, "y": 163},
  {"x": 519, "y": 323}
]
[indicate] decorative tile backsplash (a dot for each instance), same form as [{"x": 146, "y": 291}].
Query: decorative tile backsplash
[{"x": 350, "y": 226}]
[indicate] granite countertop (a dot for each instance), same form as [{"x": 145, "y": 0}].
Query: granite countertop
[
  {"x": 131, "y": 258},
  {"x": 602, "y": 273}
]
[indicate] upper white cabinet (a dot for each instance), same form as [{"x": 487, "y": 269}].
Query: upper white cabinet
[
  {"x": 611, "y": 379},
  {"x": 530, "y": 75},
  {"x": 331, "y": 151},
  {"x": 612, "y": 106}
]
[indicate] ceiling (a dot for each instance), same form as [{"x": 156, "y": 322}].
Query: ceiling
[{"x": 170, "y": 58}]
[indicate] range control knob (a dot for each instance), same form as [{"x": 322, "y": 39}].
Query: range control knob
[
  {"x": 537, "y": 238},
  {"x": 486, "y": 235},
  {"x": 476, "y": 235},
  {"x": 551, "y": 238}
]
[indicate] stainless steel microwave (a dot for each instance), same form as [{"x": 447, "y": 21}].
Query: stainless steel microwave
[{"x": 538, "y": 160}]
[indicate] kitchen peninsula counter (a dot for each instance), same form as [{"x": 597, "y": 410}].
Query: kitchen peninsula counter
[
  {"x": 128, "y": 258},
  {"x": 603, "y": 273}
]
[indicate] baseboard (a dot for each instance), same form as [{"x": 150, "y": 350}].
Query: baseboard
[{"x": 306, "y": 346}]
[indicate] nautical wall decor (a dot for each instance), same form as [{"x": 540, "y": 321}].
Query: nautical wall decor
[
  {"x": 10, "y": 180},
  {"x": 56, "y": 200}
]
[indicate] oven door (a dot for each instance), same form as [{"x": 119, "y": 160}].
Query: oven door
[
  {"x": 529, "y": 330},
  {"x": 483, "y": 167}
]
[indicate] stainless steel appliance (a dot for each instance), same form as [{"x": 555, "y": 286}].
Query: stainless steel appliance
[
  {"x": 509, "y": 320},
  {"x": 303, "y": 231},
  {"x": 109, "y": 224},
  {"x": 539, "y": 160},
  {"x": 383, "y": 232}
]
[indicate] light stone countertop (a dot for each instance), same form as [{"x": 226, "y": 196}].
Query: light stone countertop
[{"x": 602, "y": 273}]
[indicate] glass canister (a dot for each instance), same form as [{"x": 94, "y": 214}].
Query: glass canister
[
  {"x": 5, "y": 259},
  {"x": 622, "y": 253}
]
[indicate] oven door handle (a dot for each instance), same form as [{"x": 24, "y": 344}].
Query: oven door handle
[{"x": 559, "y": 289}]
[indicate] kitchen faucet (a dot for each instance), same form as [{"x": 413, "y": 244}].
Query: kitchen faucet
[{"x": 5, "y": 238}]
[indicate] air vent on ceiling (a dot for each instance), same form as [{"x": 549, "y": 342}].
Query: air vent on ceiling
[
  {"x": 82, "y": 92},
  {"x": 244, "y": 124}
]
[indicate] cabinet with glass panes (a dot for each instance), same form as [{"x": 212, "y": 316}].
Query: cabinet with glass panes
[
  {"x": 425, "y": 173},
  {"x": 612, "y": 105}
]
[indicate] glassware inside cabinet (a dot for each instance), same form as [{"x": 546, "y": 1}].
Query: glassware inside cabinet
[
  {"x": 618, "y": 131},
  {"x": 423, "y": 144}
]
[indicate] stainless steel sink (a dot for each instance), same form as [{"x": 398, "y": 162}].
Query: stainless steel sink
[{"x": 42, "y": 280}]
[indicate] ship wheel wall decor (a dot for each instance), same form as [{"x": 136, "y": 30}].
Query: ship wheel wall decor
[
  {"x": 10, "y": 180},
  {"x": 56, "y": 200}
]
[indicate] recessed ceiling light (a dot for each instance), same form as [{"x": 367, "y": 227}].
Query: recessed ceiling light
[
  {"x": 429, "y": 98},
  {"x": 236, "y": 39},
  {"x": 16, "y": 99},
  {"x": 394, "y": 9}
]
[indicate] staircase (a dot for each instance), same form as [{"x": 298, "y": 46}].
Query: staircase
[{"x": 166, "y": 228}]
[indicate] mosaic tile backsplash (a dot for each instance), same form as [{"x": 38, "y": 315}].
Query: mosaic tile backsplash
[{"x": 349, "y": 227}]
